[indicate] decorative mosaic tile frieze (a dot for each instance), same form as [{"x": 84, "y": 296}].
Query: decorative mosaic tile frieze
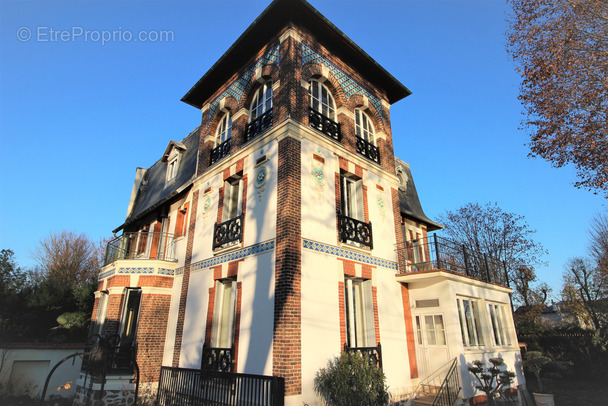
[
  {"x": 234, "y": 255},
  {"x": 138, "y": 270},
  {"x": 348, "y": 254},
  {"x": 107, "y": 273},
  {"x": 237, "y": 88},
  {"x": 166, "y": 271},
  {"x": 348, "y": 84}
]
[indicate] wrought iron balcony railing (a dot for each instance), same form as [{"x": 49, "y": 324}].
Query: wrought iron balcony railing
[
  {"x": 258, "y": 126},
  {"x": 435, "y": 252},
  {"x": 373, "y": 354},
  {"x": 220, "y": 151},
  {"x": 368, "y": 150},
  {"x": 324, "y": 124},
  {"x": 217, "y": 359},
  {"x": 105, "y": 355},
  {"x": 228, "y": 231},
  {"x": 353, "y": 230},
  {"x": 141, "y": 245}
]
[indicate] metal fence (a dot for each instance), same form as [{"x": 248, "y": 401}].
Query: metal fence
[
  {"x": 190, "y": 387},
  {"x": 435, "y": 252},
  {"x": 141, "y": 245}
]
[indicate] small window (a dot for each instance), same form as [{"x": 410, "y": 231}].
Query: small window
[
  {"x": 351, "y": 195},
  {"x": 498, "y": 321},
  {"x": 172, "y": 166},
  {"x": 262, "y": 101},
  {"x": 363, "y": 127},
  {"x": 101, "y": 312},
  {"x": 359, "y": 309},
  {"x": 233, "y": 197},
  {"x": 224, "y": 129},
  {"x": 182, "y": 218},
  {"x": 130, "y": 316},
  {"x": 224, "y": 314},
  {"x": 470, "y": 322},
  {"x": 321, "y": 99},
  {"x": 421, "y": 304}
]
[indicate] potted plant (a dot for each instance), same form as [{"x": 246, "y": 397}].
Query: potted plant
[
  {"x": 534, "y": 362},
  {"x": 491, "y": 379}
]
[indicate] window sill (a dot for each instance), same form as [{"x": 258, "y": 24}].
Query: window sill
[{"x": 228, "y": 247}]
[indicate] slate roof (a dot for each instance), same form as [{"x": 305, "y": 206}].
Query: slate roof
[
  {"x": 154, "y": 190},
  {"x": 409, "y": 202}
]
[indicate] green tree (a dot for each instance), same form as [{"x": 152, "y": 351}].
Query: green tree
[{"x": 561, "y": 50}]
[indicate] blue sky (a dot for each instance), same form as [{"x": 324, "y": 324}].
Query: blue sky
[{"x": 78, "y": 113}]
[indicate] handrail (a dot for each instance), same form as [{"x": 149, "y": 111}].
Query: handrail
[
  {"x": 448, "y": 392},
  {"x": 141, "y": 245},
  {"x": 434, "y": 376}
]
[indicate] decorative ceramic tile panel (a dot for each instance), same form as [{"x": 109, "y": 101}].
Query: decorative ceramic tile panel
[
  {"x": 165, "y": 271},
  {"x": 237, "y": 88},
  {"x": 106, "y": 274},
  {"x": 348, "y": 254},
  {"x": 234, "y": 255},
  {"x": 139, "y": 270},
  {"x": 348, "y": 84}
]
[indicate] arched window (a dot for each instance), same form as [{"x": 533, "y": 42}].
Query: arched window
[
  {"x": 321, "y": 99},
  {"x": 262, "y": 101},
  {"x": 224, "y": 129},
  {"x": 363, "y": 127}
]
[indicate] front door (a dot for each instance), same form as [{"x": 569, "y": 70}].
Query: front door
[{"x": 432, "y": 349}]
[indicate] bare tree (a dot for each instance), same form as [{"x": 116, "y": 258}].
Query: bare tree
[
  {"x": 68, "y": 257},
  {"x": 586, "y": 291},
  {"x": 561, "y": 49},
  {"x": 599, "y": 241},
  {"x": 505, "y": 236}
]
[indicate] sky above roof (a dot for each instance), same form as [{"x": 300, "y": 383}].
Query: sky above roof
[{"x": 91, "y": 90}]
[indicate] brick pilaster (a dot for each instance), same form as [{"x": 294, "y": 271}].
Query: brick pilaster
[
  {"x": 179, "y": 330},
  {"x": 287, "y": 339}
]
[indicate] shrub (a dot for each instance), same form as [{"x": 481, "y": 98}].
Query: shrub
[
  {"x": 351, "y": 380},
  {"x": 492, "y": 379}
]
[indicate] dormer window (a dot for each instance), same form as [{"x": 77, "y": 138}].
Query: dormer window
[
  {"x": 172, "y": 157},
  {"x": 172, "y": 166}
]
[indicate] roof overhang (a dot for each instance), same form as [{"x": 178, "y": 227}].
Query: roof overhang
[
  {"x": 279, "y": 14},
  {"x": 439, "y": 275}
]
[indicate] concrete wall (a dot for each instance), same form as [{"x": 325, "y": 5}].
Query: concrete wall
[{"x": 25, "y": 370}]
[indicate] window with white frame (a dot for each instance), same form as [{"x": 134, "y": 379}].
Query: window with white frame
[
  {"x": 102, "y": 307},
  {"x": 233, "y": 197},
  {"x": 321, "y": 99},
  {"x": 224, "y": 129},
  {"x": 470, "y": 322},
  {"x": 224, "y": 313},
  {"x": 172, "y": 165},
  {"x": 262, "y": 101},
  {"x": 363, "y": 127},
  {"x": 360, "y": 326},
  {"x": 433, "y": 329},
  {"x": 498, "y": 321},
  {"x": 351, "y": 197},
  {"x": 130, "y": 316}
]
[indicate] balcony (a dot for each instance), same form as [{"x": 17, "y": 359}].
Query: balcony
[
  {"x": 258, "y": 126},
  {"x": 220, "y": 151},
  {"x": 355, "y": 231},
  {"x": 142, "y": 245},
  {"x": 372, "y": 354},
  {"x": 324, "y": 124},
  {"x": 437, "y": 253},
  {"x": 368, "y": 150},
  {"x": 228, "y": 231},
  {"x": 217, "y": 359}
]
